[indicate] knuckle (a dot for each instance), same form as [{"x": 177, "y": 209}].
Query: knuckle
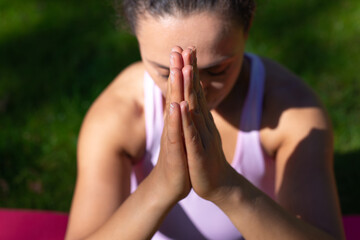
[
  {"x": 176, "y": 71},
  {"x": 171, "y": 140},
  {"x": 195, "y": 138},
  {"x": 167, "y": 103},
  {"x": 192, "y": 98},
  {"x": 177, "y": 49},
  {"x": 195, "y": 110},
  {"x": 188, "y": 69}
]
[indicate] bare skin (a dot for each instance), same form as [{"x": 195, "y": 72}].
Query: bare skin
[{"x": 295, "y": 132}]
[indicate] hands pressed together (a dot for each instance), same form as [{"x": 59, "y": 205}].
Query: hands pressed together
[{"x": 191, "y": 154}]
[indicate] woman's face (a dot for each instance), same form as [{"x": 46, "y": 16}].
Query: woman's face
[{"x": 219, "y": 45}]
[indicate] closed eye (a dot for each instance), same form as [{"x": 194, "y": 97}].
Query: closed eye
[
  {"x": 164, "y": 73},
  {"x": 164, "y": 76},
  {"x": 218, "y": 71}
]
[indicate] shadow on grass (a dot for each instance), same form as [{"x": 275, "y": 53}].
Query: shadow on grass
[
  {"x": 290, "y": 28},
  {"x": 77, "y": 56},
  {"x": 347, "y": 166}
]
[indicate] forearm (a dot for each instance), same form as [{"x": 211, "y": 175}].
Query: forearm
[
  {"x": 138, "y": 217},
  {"x": 257, "y": 216}
]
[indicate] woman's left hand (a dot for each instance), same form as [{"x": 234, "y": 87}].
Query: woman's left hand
[
  {"x": 210, "y": 174},
  {"x": 249, "y": 209}
]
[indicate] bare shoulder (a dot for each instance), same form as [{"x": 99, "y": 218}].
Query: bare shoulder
[
  {"x": 111, "y": 139},
  {"x": 297, "y": 131},
  {"x": 291, "y": 108},
  {"x": 282, "y": 84},
  {"x": 117, "y": 114}
]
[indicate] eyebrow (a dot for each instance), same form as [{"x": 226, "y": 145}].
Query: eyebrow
[
  {"x": 218, "y": 63},
  {"x": 206, "y": 67}
]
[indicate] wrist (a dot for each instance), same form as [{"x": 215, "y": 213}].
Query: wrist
[
  {"x": 232, "y": 192},
  {"x": 159, "y": 191},
  {"x": 241, "y": 195},
  {"x": 227, "y": 194}
]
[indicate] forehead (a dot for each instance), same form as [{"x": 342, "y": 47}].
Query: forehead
[{"x": 212, "y": 36}]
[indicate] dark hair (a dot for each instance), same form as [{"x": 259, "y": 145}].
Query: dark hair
[{"x": 240, "y": 11}]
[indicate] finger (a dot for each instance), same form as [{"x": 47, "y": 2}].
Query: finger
[
  {"x": 197, "y": 105},
  {"x": 188, "y": 56},
  {"x": 189, "y": 69},
  {"x": 195, "y": 67},
  {"x": 193, "y": 142},
  {"x": 177, "y": 49},
  {"x": 198, "y": 87},
  {"x": 205, "y": 112},
  {"x": 189, "y": 91},
  {"x": 201, "y": 99},
  {"x": 176, "y": 60},
  {"x": 193, "y": 90},
  {"x": 176, "y": 86},
  {"x": 174, "y": 130},
  {"x": 190, "y": 94}
]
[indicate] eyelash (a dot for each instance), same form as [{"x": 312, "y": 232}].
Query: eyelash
[
  {"x": 210, "y": 73},
  {"x": 217, "y": 74},
  {"x": 164, "y": 76},
  {"x": 214, "y": 74}
]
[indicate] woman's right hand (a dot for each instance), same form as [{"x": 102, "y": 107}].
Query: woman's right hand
[{"x": 171, "y": 174}]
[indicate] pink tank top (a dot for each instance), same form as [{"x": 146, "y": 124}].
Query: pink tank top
[{"x": 194, "y": 217}]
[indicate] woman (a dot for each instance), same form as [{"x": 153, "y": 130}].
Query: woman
[{"x": 212, "y": 143}]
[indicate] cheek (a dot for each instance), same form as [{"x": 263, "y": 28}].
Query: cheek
[
  {"x": 221, "y": 87},
  {"x": 233, "y": 75},
  {"x": 158, "y": 80},
  {"x": 225, "y": 82},
  {"x": 217, "y": 86}
]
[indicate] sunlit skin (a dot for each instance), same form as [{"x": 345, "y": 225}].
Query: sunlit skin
[
  {"x": 198, "y": 62},
  {"x": 219, "y": 46}
]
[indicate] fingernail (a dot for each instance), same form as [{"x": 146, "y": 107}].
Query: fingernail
[
  {"x": 184, "y": 105},
  {"x": 191, "y": 56},
  {"x": 171, "y": 108}
]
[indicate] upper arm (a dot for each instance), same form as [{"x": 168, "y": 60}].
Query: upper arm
[
  {"x": 103, "y": 176},
  {"x": 104, "y": 160},
  {"x": 305, "y": 183},
  {"x": 299, "y": 134}
]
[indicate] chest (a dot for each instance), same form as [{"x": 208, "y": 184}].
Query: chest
[
  {"x": 229, "y": 133},
  {"x": 231, "y": 138}
]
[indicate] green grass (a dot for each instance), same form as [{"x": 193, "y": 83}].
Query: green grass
[{"x": 57, "y": 56}]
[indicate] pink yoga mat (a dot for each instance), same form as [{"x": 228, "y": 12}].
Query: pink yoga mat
[
  {"x": 352, "y": 227},
  {"x": 31, "y": 225},
  {"x": 45, "y": 225}
]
